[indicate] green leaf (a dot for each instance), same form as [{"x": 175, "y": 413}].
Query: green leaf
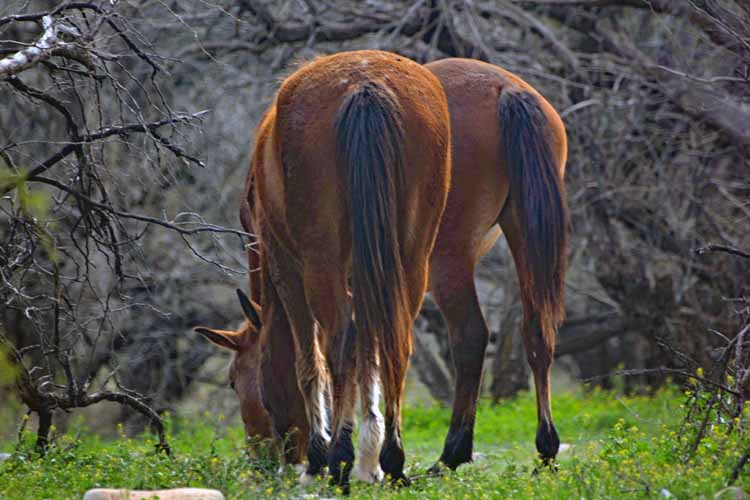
[{"x": 37, "y": 204}]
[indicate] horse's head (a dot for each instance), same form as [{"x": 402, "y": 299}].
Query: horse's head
[{"x": 244, "y": 372}]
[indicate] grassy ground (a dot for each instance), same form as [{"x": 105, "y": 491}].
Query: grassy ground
[{"x": 619, "y": 447}]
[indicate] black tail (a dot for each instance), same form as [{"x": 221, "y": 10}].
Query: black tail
[
  {"x": 369, "y": 138},
  {"x": 537, "y": 195}
]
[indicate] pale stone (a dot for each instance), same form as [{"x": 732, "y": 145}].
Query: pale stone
[
  {"x": 175, "y": 494},
  {"x": 4, "y": 456},
  {"x": 731, "y": 493}
]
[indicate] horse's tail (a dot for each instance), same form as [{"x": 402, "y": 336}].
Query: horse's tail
[
  {"x": 537, "y": 196},
  {"x": 369, "y": 137}
]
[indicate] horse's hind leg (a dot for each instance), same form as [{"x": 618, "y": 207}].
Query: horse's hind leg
[
  {"x": 325, "y": 290},
  {"x": 392, "y": 456},
  {"x": 540, "y": 352},
  {"x": 371, "y": 425},
  {"x": 452, "y": 280},
  {"x": 540, "y": 357}
]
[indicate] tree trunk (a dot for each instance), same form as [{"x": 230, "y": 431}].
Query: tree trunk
[{"x": 42, "y": 433}]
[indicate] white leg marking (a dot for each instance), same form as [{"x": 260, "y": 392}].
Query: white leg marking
[
  {"x": 323, "y": 412},
  {"x": 371, "y": 433}
]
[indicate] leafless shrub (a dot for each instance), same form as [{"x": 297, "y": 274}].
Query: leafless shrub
[{"x": 88, "y": 132}]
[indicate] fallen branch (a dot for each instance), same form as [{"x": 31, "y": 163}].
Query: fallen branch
[
  {"x": 134, "y": 403},
  {"x": 33, "y": 393}
]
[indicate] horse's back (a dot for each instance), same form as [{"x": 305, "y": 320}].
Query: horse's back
[
  {"x": 471, "y": 85},
  {"x": 315, "y": 182},
  {"x": 479, "y": 182}
]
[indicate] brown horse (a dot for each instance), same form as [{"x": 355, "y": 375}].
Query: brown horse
[
  {"x": 352, "y": 176},
  {"x": 509, "y": 152}
]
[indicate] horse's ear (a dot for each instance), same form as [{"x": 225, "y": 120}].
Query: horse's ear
[
  {"x": 250, "y": 309},
  {"x": 222, "y": 338}
]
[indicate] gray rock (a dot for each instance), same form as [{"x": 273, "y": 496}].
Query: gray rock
[
  {"x": 175, "y": 494},
  {"x": 4, "y": 456}
]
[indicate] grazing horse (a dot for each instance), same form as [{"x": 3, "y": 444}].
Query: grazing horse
[
  {"x": 509, "y": 153},
  {"x": 351, "y": 181}
]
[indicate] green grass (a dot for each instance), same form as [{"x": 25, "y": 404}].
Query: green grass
[{"x": 620, "y": 447}]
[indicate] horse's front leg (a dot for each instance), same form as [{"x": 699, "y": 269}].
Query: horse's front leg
[
  {"x": 371, "y": 422},
  {"x": 312, "y": 379},
  {"x": 281, "y": 395},
  {"x": 325, "y": 289},
  {"x": 310, "y": 364}
]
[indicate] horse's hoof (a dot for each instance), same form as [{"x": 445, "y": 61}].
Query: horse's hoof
[
  {"x": 306, "y": 478},
  {"x": 437, "y": 470},
  {"x": 546, "y": 464},
  {"x": 369, "y": 476},
  {"x": 403, "y": 481},
  {"x": 341, "y": 487},
  {"x": 400, "y": 481}
]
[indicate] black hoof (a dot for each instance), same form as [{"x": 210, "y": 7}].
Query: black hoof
[
  {"x": 547, "y": 442},
  {"x": 437, "y": 470},
  {"x": 545, "y": 465},
  {"x": 316, "y": 454},
  {"x": 341, "y": 459},
  {"x": 458, "y": 448},
  {"x": 400, "y": 481},
  {"x": 340, "y": 489},
  {"x": 392, "y": 460}
]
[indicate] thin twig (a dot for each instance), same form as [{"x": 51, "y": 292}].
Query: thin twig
[{"x": 722, "y": 248}]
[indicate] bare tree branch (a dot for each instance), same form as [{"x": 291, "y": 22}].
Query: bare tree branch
[
  {"x": 722, "y": 248},
  {"x": 40, "y": 51}
]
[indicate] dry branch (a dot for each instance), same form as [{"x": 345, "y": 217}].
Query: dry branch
[
  {"x": 42, "y": 50},
  {"x": 722, "y": 248},
  {"x": 582, "y": 334}
]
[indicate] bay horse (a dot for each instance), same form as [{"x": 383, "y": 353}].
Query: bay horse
[
  {"x": 509, "y": 154},
  {"x": 351, "y": 180}
]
